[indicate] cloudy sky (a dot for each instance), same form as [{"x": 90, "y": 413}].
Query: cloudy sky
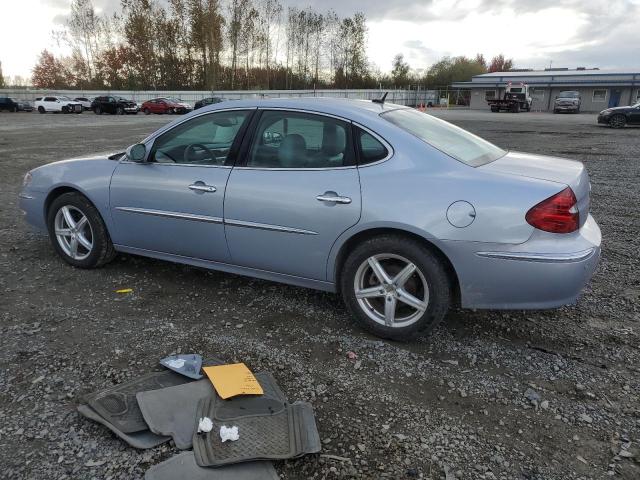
[{"x": 535, "y": 33}]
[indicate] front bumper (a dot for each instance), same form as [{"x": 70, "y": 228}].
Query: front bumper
[
  {"x": 546, "y": 271},
  {"x": 566, "y": 108},
  {"x": 603, "y": 119}
]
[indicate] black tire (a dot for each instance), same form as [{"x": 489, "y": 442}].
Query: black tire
[
  {"x": 65, "y": 109},
  {"x": 495, "y": 109},
  {"x": 102, "y": 251},
  {"x": 146, "y": 111},
  {"x": 41, "y": 109},
  {"x": 515, "y": 108},
  {"x": 617, "y": 121},
  {"x": 98, "y": 111},
  {"x": 120, "y": 111},
  {"x": 426, "y": 262}
]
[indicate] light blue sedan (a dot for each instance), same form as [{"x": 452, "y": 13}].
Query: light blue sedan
[{"x": 402, "y": 214}]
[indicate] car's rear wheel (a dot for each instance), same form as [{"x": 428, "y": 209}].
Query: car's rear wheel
[
  {"x": 617, "y": 121},
  {"x": 395, "y": 287},
  {"x": 98, "y": 111},
  {"x": 146, "y": 111},
  {"x": 78, "y": 233}
]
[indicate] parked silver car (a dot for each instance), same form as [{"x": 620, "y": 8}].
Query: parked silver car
[{"x": 401, "y": 213}]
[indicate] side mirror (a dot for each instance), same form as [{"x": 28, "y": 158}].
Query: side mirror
[{"x": 137, "y": 152}]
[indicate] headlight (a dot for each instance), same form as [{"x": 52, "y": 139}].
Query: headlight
[
  {"x": 27, "y": 179},
  {"x": 575, "y": 102}
]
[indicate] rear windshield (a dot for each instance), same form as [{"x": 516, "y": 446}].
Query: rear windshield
[{"x": 452, "y": 140}]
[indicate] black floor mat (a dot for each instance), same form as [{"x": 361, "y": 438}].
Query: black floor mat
[
  {"x": 269, "y": 427},
  {"x": 118, "y": 404},
  {"x": 144, "y": 439},
  {"x": 184, "y": 467}
]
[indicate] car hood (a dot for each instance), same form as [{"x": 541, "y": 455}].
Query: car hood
[{"x": 616, "y": 109}]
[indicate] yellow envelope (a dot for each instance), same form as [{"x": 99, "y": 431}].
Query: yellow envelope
[{"x": 233, "y": 379}]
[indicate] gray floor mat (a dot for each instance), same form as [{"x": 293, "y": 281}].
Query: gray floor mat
[
  {"x": 289, "y": 433},
  {"x": 172, "y": 410},
  {"x": 184, "y": 467},
  {"x": 118, "y": 404},
  {"x": 144, "y": 439}
]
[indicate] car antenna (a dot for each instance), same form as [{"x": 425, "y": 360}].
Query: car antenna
[{"x": 380, "y": 100}]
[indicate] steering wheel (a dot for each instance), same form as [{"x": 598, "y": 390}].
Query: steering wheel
[{"x": 191, "y": 147}]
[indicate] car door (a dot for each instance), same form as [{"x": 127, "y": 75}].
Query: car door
[
  {"x": 173, "y": 202},
  {"x": 294, "y": 192},
  {"x": 634, "y": 115},
  {"x": 51, "y": 104}
]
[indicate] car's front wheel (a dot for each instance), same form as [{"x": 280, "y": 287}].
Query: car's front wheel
[
  {"x": 78, "y": 233},
  {"x": 395, "y": 287},
  {"x": 617, "y": 121}
]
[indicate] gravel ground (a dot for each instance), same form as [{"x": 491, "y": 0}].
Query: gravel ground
[{"x": 509, "y": 395}]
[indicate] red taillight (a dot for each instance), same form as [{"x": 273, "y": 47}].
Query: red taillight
[{"x": 557, "y": 214}]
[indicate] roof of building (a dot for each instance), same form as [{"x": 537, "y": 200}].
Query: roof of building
[
  {"x": 592, "y": 77},
  {"x": 559, "y": 73}
]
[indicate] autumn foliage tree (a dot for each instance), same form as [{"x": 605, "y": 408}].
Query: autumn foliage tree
[
  {"x": 500, "y": 64},
  {"x": 49, "y": 72}
]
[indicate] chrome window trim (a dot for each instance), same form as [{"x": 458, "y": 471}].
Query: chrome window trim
[
  {"x": 190, "y": 165},
  {"x": 167, "y": 214},
  {"x": 304, "y": 110},
  {"x": 387, "y": 145},
  {"x": 267, "y": 226},
  {"x": 283, "y": 169},
  {"x": 540, "y": 257}
]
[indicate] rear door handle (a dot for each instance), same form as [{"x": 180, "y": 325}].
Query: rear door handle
[
  {"x": 332, "y": 197},
  {"x": 202, "y": 187}
]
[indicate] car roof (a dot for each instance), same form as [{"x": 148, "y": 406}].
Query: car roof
[
  {"x": 365, "y": 112},
  {"x": 342, "y": 107}
]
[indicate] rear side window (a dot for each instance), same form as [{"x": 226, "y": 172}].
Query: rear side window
[
  {"x": 300, "y": 140},
  {"x": 370, "y": 149},
  {"x": 49, "y": 99}
]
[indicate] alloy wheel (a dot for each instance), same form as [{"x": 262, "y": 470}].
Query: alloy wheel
[
  {"x": 391, "y": 290},
  {"x": 73, "y": 232},
  {"x": 617, "y": 121}
]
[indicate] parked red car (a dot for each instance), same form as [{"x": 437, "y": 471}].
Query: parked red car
[{"x": 165, "y": 105}]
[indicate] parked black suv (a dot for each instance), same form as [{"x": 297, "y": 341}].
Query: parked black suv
[
  {"x": 117, "y": 105},
  {"x": 9, "y": 104},
  {"x": 207, "y": 101}
]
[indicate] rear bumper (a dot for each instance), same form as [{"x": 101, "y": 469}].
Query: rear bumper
[{"x": 547, "y": 271}]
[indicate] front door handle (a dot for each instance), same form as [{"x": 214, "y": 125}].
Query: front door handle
[
  {"x": 333, "y": 197},
  {"x": 202, "y": 187}
]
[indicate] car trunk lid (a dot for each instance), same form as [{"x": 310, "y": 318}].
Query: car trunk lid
[{"x": 559, "y": 170}]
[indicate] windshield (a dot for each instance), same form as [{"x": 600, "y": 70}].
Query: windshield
[
  {"x": 452, "y": 140},
  {"x": 569, "y": 94}
]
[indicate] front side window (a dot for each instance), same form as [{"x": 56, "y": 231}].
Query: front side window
[
  {"x": 599, "y": 95},
  {"x": 300, "y": 140},
  {"x": 49, "y": 99},
  {"x": 454, "y": 141},
  {"x": 204, "y": 140}
]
